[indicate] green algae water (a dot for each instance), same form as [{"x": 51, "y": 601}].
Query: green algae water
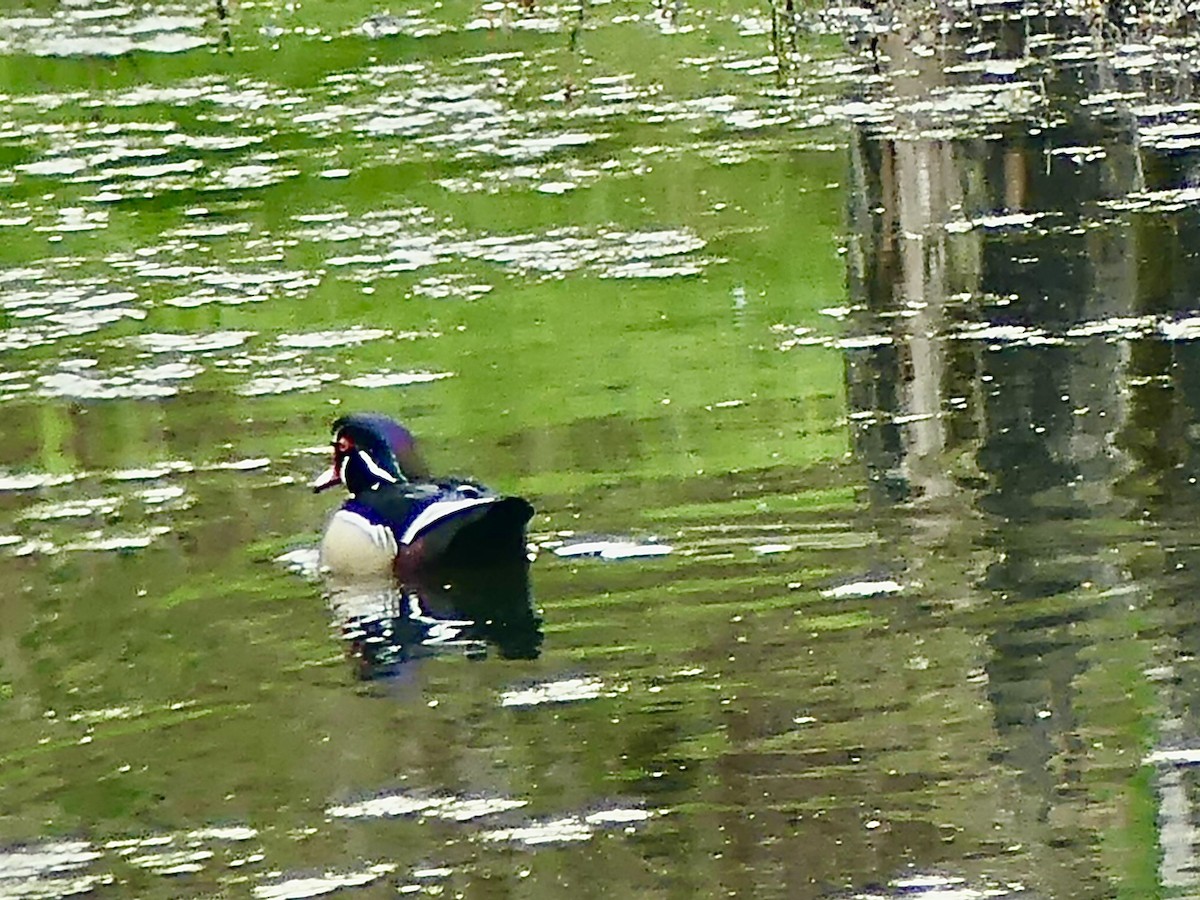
[{"x": 852, "y": 388}]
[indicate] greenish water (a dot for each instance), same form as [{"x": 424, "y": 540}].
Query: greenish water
[{"x": 857, "y": 402}]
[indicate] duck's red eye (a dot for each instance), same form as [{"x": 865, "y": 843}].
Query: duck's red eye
[{"x": 341, "y": 446}]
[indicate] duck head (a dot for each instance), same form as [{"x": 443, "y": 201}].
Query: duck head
[{"x": 370, "y": 449}]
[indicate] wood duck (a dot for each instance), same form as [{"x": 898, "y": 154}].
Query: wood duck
[{"x": 398, "y": 519}]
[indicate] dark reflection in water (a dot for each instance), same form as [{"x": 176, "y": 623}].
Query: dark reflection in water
[
  {"x": 449, "y": 610},
  {"x": 1022, "y": 376}
]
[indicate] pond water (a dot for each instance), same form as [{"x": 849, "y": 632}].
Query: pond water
[{"x": 857, "y": 391}]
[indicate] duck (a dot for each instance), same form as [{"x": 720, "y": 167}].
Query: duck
[{"x": 399, "y": 519}]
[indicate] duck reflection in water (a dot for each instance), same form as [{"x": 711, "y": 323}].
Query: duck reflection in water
[
  {"x": 467, "y": 611},
  {"x": 419, "y": 565}
]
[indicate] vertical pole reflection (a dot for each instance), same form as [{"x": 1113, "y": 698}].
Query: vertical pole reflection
[
  {"x": 988, "y": 397},
  {"x": 1163, "y": 435}
]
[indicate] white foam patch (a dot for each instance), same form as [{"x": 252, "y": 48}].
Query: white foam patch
[
  {"x": 1005, "y": 334},
  {"x": 556, "y": 831},
  {"x": 948, "y": 887},
  {"x": 251, "y": 176},
  {"x": 1189, "y": 756},
  {"x": 612, "y": 549},
  {"x": 280, "y": 383},
  {"x": 436, "y": 872},
  {"x": 322, "y": 339},
  {"x": 45, "y": 859},
  {"x": 55, "y": 869},
  {"x": 618, "y": 816},
  {"x": 173, "y": 862},
  {"x": 74, "y": 509},
  {"x": 772, "y": 549},
  {"x": 62, "y": 165},
  {"x": 107, "y": 714},
  {"x": 74, "y": 218},
  {"x": 223, "y": 833},
  {"x": 118, "y": 387},
  {"x": 167, "y": 372},
  {"x": 994, "y": 222},
  {"x": 52, "y": 888},
  {"x": 150, "y": 473},
  {"x": 863, "y": 589},
  {"x": 443, "y": 287},
  {"x": 240, "y": 465},
  {"x": 1122, "y": 326},
  {"x": 396, "y": 379},
  {"x": 456, "y": 809},
  {"x": 137, "y": 541},
  {"x": 568, "y": 829},
  {"x": 643, "y": 269},
  {"x": 160, "y": 495},
  {"x": 193, "y": 343},
  {"x": 861, "y": 342},
  {"x": 316, "y": 886},
  {"x": 1181, "y": 329},
  {"x": 569, "y": 690},
  {"x": 32, "y": 481}
]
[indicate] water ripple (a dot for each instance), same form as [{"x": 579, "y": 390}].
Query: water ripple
[
  {"x": 568, "y": 829},
  {"x": 458, "y": 809},
  {"x": 316, "y": 886},
  {"x": 101, "y": 31},
  {"x": 568, "y": 690}
]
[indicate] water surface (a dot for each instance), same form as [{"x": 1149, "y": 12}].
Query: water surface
[{"x": 852, "y": 388}]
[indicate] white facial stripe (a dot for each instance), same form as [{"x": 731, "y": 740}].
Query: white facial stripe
[{"x": 379, "y": 473}]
